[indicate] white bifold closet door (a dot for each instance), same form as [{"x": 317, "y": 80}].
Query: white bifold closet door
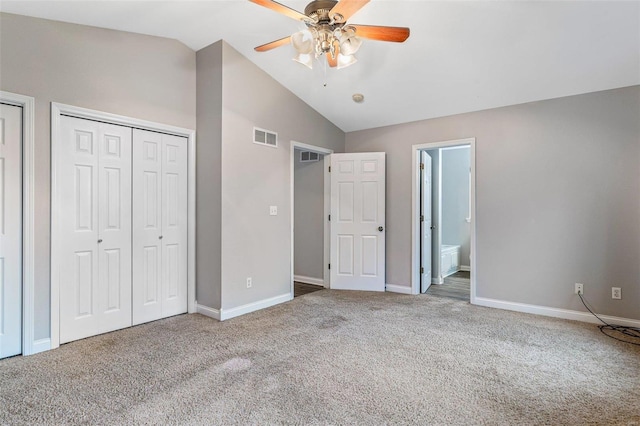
[
  {"x": 94, "y": 188},
  {"x": 160, "y": 225},
  {"x": 10, "y": 230}
]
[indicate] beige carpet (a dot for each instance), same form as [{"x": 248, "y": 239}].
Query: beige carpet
[{"x": 334, "y": 358}]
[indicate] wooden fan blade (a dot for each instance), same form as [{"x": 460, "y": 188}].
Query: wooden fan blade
[
  {"x": 374, "y": 32},
  {"x": 333, "y": 60},
  {"x": 346, "y": 8},
  {"x": 280, "y": 8},
  {"x": 273, "y": 44}
]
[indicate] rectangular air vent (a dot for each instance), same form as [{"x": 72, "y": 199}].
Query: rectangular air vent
[
  {"x": 309, "y": 156},
  {"x": 265, "y": 137}
]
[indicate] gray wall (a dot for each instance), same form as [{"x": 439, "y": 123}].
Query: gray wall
[
  {"x": 209, "y": 178},
  {"x": 145, "y": 77},
  {"x": 309, "y": 218},
  {"x": 455, "y": 200},
  {"x": 254, "y": 177},
  {"x": 557, "y": 197}
]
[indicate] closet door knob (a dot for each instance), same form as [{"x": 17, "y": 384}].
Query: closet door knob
[
  {"x": 99, "y": 241},
  {"x": 160, "y": 237},
  {"x": 380, "y": 228}
]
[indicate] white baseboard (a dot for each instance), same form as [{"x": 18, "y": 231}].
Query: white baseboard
[
  {"x": 208, "y": 312},
  {"x": 398, "y": 289},
  {"x": 309, "y": 280},
  {"x": 465, "y": 267},
  {"x": 226, "y": 314},
  {"x": 437, "y": 280},
  {"x": 554, "y": 312}
]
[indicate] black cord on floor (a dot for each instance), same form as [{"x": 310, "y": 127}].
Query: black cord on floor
[{"x": 632, "y": 332}]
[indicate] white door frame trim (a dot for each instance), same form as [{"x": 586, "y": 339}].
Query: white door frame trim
[
  {"x": 57, "y": 110},
  {"x": 29, "y": 344},
  {"x": 415, "y": 216},
  {"x": 327, "y": 206}
]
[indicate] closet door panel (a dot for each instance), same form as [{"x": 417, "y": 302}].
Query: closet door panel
[
  {"x": 114, "y": 216},
  {"x": 10, "y": 230},
  {"x": 147, "y": 225},
  {"x": 93, "y": 182},
  {"x": 174, "y": 225},
  {"x": 77, "y": 186}
]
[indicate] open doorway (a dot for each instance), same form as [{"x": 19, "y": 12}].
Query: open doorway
[
  {"x": 310, "y": 212},
  {"x": 450, "y": 204},
  {"x": 444, "y": 228}
]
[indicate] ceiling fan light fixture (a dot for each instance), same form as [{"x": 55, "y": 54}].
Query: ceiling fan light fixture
[
  {"x": 346, "y": 60},
  {"x": 328, "y": 35},
  {"x": 349, "y": 43},
  {"x": 303, "y": 42},
  {"x": 305, "y": 59}
]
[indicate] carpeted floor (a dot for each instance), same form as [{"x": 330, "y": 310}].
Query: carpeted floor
[{"x": 334, "y": 358}]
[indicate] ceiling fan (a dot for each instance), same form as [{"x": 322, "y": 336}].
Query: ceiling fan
[{"x": 328, "y": 33}]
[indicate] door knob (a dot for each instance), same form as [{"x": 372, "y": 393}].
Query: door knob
[
  {"x": 380, "y": 228},
  {"x": 99, "y": 241},
  {"x": 160, "y": 237}
]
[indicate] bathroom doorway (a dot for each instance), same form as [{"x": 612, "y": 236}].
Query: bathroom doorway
[{"x": 446, "y": 223}]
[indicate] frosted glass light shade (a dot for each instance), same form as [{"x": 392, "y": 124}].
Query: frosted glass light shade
[
  {"x": 349, "y": 43},
  {"x": 303, "y": 42},
  {"x": 345, "y": 60},
  {"x": 305, "y": 59}
]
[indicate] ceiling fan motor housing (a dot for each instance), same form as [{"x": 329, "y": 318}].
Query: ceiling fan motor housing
[{"x": 318, "y": 11}]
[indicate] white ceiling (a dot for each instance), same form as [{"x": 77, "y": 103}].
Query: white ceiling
[{"x": 460, "y": 57}]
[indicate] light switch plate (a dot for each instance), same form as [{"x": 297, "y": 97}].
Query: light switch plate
[{"x": 273, "y": 210}]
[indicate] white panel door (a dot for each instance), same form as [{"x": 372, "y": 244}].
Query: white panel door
[
  {"x": 174, "y": 225},
  {"x": 10, "y": 230},
  {"x": 425, "y": 220},
  {"x": 94, "y": 186},
  {"x": 358, "y": 221},
  {"x": 147, "y": 226},
  {"x": 160, "y": 226}
]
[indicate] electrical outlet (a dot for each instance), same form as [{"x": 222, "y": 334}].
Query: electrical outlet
[
  {"x": 249, "y": 282},
  {"x": 616, "y": 293},
  {"x": 579, "y": 288},
  {"x": 273, "y": 210}
]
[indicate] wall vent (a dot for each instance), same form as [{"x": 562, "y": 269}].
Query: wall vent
[
  {"x": 265, "y": 137},
  {"x": 309, "y": 156}
]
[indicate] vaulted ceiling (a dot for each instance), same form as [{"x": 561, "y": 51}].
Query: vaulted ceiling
[{"x": 461, "y": 56}]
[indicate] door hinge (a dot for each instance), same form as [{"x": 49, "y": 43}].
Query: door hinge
[
  {"x": 421, "y": 270},
  {"x": 329, "y": 266},
  {"x": 329, "y": 218},
  {"x": 421, "y": 166},
  {"x": 421, "y": 218},
  {"x": 329, "y": 169}
]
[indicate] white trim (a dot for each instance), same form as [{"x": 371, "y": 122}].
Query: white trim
[
  {"x": 309, "y": 280},
  {"x": 393, "y": 288},
  {"x": 40, "y": 345},
  {"x": 327, "y": 207},
  {"x": 465, "y": 268},
  {"x": 437, "y": 280},
  {"x": 226, "y": 314},
  {"x": 28, "y": 217},
  {"x": 208, "y": 312},
  {"x": 57, "y": 110},
  {"x": 554, "y": 312},
  {"x": 415, "y": 216}
]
